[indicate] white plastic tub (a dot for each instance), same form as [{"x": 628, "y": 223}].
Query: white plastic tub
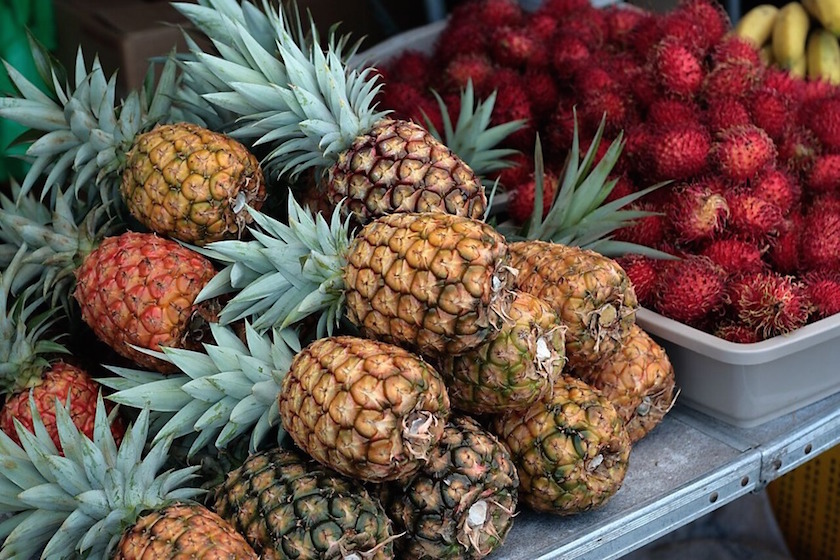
[{"x": 748, "y": 384}]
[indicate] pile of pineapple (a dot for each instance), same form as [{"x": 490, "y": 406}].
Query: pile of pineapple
[{"x": 380, "y": 373}]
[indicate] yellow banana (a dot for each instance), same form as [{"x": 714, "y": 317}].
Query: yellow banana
[
  {"x": 757, "y": 24},
  {"x": 799, "y": 67},
  {"x": 823, "y": 56},
  {"x": 827, "y": 12},
  {"x": 790, "y": 34}
]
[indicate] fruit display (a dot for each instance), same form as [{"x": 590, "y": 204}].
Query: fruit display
[
  {"x": 748, "y": 149},
  {"x": 322, "y": 342}
]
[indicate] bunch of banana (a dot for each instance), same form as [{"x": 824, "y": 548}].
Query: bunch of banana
[{"x": 801, "y": 37}]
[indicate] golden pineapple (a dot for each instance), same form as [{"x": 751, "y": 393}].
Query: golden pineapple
[
  {"x": 591, "y": 293},
  {"x": 639, "y": 380},
  {"x": 514, "y": 369},
  {"x": 364, "y": 408},
  {"x": 104, "y": 500},
  {"x": 571, "y": 449},
  {"x": 176, "y": 178},
  {"x": 312, "y": 111},
  {"x": 288, "y": 506},
  {"x": 460, "y": 505}
]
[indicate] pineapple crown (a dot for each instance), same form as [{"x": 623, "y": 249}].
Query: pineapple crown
[
  {"x": 22, "y": 333},
  {"x": 472, "y": 137},
  {"x": 228, "y": 390},
  {"x": 83, "y": 137},
  {"x": 82, "y": 501},
  {"x": 578, "y": 215},
  {"x": 56, "y": 240},
  {"x": 286, "y": 273}
]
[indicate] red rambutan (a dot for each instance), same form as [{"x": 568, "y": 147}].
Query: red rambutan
[
  {"x": 689, "y": 289},
  {"x": 497, "y": 13},
  {"x": 401, "y": 97},
  {"x": 735, "y": 49},
  {"x": 784, "y": 252},
  {"x": 823, "y": 118},
  {"x": 569, "y": 53},
  {"x": 621, "y": 23},
  {"x": 770, "y": 303},
  {"x": 782, "y": 81},
  {"x": 543, "y": 91},
  {"x": 823, "y": 289},
  {"x": 736, "y": 332},
  {"x": 520, "y": 205},
  {"x": 559, "y": 8},
  {"x": 623, "y": 187},
  {"x": 646, "y": 34},
  {"x": 779, "y": 187},
  {"x": 461, "y": 37},
  {"x": 733, "y": 79},
  {"x": 679, "y": 152},
  {"x": 543, "y": 26},
  {"x": 677, "y": 69},
  {"x": 819, "y": 243},
  {"x": 770, "y": 111},
  {"x": 593, "y": 79},
  {"x": 410, "y": 66},
  {"x": 583, "y": 27},
  {"x": 714, "y": 19},
  {"x": 824, "y": 176},
  {"x": 516, "y": 46},
  {"x": 724, "y": 112},
  {"x": 608, "y": 105},
  {"x": 735, "y": 256},
  {"x": 752, "y": 216},
  {"x": 697, "y": 212},
  {"x": 672, "y": 112},
  {"x": 742, "y": 151},
  {"x": 470, "y": 66},
  {"x": 522, "y": 167},
  {"x": 648, "y": 231},
  {"x": 798, "y": 149},
  {"x": 643, "y": 272},
  {"x": 686, "y": 30}
]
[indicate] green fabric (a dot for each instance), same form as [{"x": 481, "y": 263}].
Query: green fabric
[{"x": 15, "y": 17}]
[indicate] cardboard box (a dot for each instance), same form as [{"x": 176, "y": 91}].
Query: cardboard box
[{"x": 125, "y": 35}]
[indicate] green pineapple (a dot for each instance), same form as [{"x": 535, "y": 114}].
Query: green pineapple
[
  {"x": 100, "y": 500},
  {"x": 290, "y": 507}
]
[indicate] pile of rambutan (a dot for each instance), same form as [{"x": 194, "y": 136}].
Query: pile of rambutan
[{"x": 753, "y": 153}]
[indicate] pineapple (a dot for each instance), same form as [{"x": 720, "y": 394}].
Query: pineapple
[
  {"x": 101, "y": 500},
  {"x": 291, "y": 507},
  {"x": 27, "y": 373},
  {"x": 311, "y": 110},
  {"x": 590, "y": 292},
  {"x": 639, "y": 381},
  {"x": 134, "y": 289},
  {"x": 514, "y": 369},
  {"x": 462, "y": 503},
  {"x": 227, "y": 391},
  {"x": 434, "y": 283},
  {"x": 364, "y": 408},
  {"x": 571, "y": 449},
  {"x": 177, "y": 179}
]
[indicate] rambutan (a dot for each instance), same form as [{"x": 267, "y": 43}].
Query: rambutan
[
  {"x": 515, "y": 47},
  {"x": 460, "y": 37},
  {"x": 823, "y": 289},
  {"x": 401, "y": 97},
  {"x": 671, "y": 112},
  {"x": 742, "y": 151},
  {"x": 696, "y": 212},
  {"x": 770, "y": 303},
  {"x": 735, "y": 256},
  {"x": 410, "y": 66},
  {"x": 736, "y": 332},
  {"x": 569, "y": 53},
  {"x": 723, "y": 112},
  {"x": 679, "y": 152},
  {"x": 583, "y": 27},
  {"x": 714, "y": 19},
  {"x": 522, "y": 166},
  {"x": 798, "y": 148},
  {"x": 770, "y": 111},
  {"x": 824, "y": 176},
  {"x": 643, "y": 272},
  {"x": 782, "y": 81},
  {"x": 623, "y": 187},
  {"x": 784, "y": 246},
  {"x": 735, "y": 49},
  {"x": 469, "y": 66},
  {"x": 520, "y": 205},
  {"x": 562, "y": 7},
  {"x": 686, "y": 30},
  {"x": 646, "y": 34},
  {"x": 497, "y": 13},
  {"x": 512, "y": 104},
  {"x": 593, "y": 79},
  {"x": 608, "y": 105},
  {"x": 689, "y": 289},
  {"x": 823, "y": 118},
  {"x": 677, "y": 68},
  {"x": 543, "y": 91},
  {"x": 648, "y": 231},
  {"x": 733, "y": 79},
  {"x": 620, "y": 24},
  {"x": 819, "y": 242},
  {"x": 543, "y": 26},
  {"x": 779, "y": 187},
  {"x": 753, "y": 216}
]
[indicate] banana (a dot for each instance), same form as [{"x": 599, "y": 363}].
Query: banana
[
  {"x": 766, "y": 55},
  {"x": 823, "y": 54},
  {"x": 790, "y": 33},
  {"x": 827, "y": 12},
  {"x": 799, "y": 67},
  {"x": 757, "y": 24}
]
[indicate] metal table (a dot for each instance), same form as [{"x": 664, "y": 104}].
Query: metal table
[{"x": 690, "y": 465}]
